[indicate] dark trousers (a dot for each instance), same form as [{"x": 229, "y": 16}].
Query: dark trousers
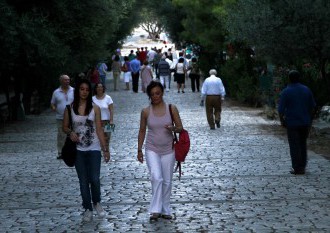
[
  {"x": 194, "y": 78},
  {"x": 297, "y": 137},
  {"x": 213, "y": 109},
  {"x": 135, "y": 81}
]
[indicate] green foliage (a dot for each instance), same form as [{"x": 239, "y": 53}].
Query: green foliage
[{"x": 240, "y": 81}]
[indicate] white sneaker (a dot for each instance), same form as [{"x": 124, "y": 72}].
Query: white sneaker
[
  {"x": 88, "y": 216},
  {"x": 99, "y": 210}
]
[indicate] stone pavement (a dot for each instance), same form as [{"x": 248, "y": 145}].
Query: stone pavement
[{"x": 235, "y": 178}]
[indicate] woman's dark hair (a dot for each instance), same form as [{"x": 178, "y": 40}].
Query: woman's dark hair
[
  {"x": 95, "y": 87},
  {"x": 145, "y": 63},
  {"x": 76, "y": 100},
  {"x": 152, "y": 85},
  {"x": 117, "y": 58},
  {"x": 181, "y": 60}
]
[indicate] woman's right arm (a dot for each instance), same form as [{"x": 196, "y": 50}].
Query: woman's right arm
[
  {"x": 66, "y": 127},
  {"x": 142, "y": 134}
]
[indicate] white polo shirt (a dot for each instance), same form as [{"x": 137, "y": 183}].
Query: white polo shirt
[{"x": 60, "y": 99}]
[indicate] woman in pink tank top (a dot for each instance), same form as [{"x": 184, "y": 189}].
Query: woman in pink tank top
[{"x": 159, "y": 152}]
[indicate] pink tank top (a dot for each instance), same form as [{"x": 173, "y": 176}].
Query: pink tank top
[{"x": 159, "y": 139}]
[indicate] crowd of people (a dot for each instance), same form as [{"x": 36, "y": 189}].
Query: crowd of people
[{"x": 92, "y": 114}]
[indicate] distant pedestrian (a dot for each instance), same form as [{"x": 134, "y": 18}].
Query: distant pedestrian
[
  {"x": 159, "y": 152},
  {"x": 146, "y": 75},
  {"x": 164, "y": 73},
  {"x": 127, "y": 72},
  {"x": 88, "y": 133},
  {"x": 296, "y": 109},
  {"x": 105, "y": 104},
  {"x": 156, "y": 60},
  {"x": 116, "y": 70},
  {"x": 213, "y": 93},
  {"x": 102, "y": 69},
  {"x": 61, "y": 97},
  {"x": 94, "y": 77},
  {"x": 194, "y": 74},
  {"x": 131, "y": 56},
  {"x": 180, "y": 73},
  {"x": 135, "y": 68}
]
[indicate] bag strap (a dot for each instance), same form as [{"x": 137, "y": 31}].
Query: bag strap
[
  {"x": 174, "y": 134},
  {"x": 70, "y": 117},
  {"x": 175, "y": 139}
]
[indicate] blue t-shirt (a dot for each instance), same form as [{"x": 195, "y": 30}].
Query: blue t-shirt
[{"x": 296, "y": 104}]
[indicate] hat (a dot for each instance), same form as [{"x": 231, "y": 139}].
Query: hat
[{"x": 118, "y": 50}]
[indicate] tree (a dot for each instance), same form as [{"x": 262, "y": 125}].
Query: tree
[
  {"x": 284, "y": 31},
  {"x": 151, "y": 23}
]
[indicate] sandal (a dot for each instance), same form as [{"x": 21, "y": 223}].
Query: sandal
[
  {"x": 166, "y": 216},
  {"x": 154, "y": 216}
]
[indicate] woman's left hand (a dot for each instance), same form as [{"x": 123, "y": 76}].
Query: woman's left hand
[{"x": 106, "y": 156}]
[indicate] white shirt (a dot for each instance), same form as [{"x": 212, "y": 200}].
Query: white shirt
[
  {"x": 104, "y": 106},
  {"x": 60, "y": 99},
  {"x": 151, "y": 55},
  {"x": 213, "y": 86}
]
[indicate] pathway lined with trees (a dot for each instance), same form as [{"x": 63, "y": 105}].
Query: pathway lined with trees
[{"x": 41, "y": 39}]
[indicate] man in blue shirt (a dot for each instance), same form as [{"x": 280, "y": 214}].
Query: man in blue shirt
[
  {"x": 296, "y": 110},
  {"x": 135, "y": 69}
]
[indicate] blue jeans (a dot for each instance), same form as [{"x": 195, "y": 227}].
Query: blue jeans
[
  {"x": 88, "y": 166},
  {"x": 297, "y": 137}
]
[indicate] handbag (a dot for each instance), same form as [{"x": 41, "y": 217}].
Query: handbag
[
  {"x": 181, "y": 146},
  {"x": 69, "y": 150}
]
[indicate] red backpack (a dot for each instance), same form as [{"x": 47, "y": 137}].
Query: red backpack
[{"x": 181, "y": 146}]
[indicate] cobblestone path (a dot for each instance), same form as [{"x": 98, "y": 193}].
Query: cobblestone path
[{"x": 236, "y": 178}]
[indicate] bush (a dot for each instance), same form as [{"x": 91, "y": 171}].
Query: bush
[{"x": 241, "y": 81}]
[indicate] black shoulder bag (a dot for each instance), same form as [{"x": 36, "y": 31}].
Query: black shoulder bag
[{"x": 69, "y": 150}]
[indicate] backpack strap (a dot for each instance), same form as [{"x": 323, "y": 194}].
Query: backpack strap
[{"x": 175, "y": 139}]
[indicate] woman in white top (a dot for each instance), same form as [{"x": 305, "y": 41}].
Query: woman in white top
[
  {"x": 180, "y": 72},
  {"x": 105, "y": 103},
  {"x": 88, "y": 134}
]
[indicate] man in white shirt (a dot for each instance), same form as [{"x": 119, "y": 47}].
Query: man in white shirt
[
  {"x": 213, "y": 92},
  {"x": 62, "y": 96}
]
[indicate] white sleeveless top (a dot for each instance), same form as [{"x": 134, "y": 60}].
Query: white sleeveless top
[{"x": 85, "y": 127}]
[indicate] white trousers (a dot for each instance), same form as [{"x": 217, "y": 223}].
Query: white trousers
[
  {"x": 161, "y": 172},
  {"x": 165, "y": 80}
]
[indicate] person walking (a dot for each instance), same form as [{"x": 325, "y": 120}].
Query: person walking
[
  {"x": 159, "y": 153},
  {"x": 127, "y": 72},
  {"x": 296, "y": 109},
  {"x": 180, "y": 73},
  {"x": 213, "y": 93},
  {"x": 102, "y": 69},
  {"x": 135, "y": 68},
  {"x": 105, "y": 104},
  {"x": 94, "y": 77},
  {"x": 146, "y": 76},
  {"x": 164, "y": 73},
  {"x": 194, "y": 74},
  {"x": 61, "y": 97},
  {"x": 87, "y": 132},
  {"x": 116, "y": 69}
]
